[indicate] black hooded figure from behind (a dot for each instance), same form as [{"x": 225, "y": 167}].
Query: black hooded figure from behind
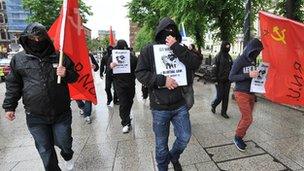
[
  {"x": 223, "y": 62},
  {"x": 124, "y": 84},
  {"x": 33, "y": 78}
]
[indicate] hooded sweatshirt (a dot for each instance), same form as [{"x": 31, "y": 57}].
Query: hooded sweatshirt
[
  {"x": 125, "y": 81},
  {"x": 163, "y": 98},
  {"x": 244, "y": 64},
  {"x": 223, "y": 62},
  {"x": 33, "y": 77}
]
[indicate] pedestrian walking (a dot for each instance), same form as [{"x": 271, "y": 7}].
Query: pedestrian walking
[
  {"x": 84, "y": 105},
  {"x": 166, "y": 97},
  {"x": 104, "y": 69},
  {"x": 242, "y": 72},
  {"x": 124, "y": 84},
  {"x": 33, "y": 77},
  {"x": 223, "y": 63}
]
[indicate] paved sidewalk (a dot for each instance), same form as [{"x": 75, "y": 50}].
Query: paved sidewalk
[{"x": 275, "y": 141}]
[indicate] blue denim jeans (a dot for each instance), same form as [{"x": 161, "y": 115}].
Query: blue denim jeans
[
  {"x": 47, "y": 133},
  {"x": 161, "y": 127},
  {"x": 86, "y": 106}
]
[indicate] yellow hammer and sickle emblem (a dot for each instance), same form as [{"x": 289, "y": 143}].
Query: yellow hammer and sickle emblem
[{"x": 280, "y": 35}]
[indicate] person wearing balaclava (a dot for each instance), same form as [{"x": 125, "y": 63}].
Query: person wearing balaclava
[
  {"x": 242, "y": 72},
  {"x": 166, "y": 97},
  {"x": 124, "y": 84},
  {"x": 33, "y": 78},
  {"x": 223, "y": 63}
]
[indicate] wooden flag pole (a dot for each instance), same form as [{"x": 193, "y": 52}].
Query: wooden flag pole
[{"x": 62, "y": 32}]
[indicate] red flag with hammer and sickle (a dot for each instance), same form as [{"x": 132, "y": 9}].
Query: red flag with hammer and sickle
[{"x": 283, "y": 41}]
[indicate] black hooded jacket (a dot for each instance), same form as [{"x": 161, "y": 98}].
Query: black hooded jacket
[
  {"x": 223, "y": 62},
  {"x": 244, "y": 64},
  {"x": 124, "y": 81},
  {"x": 163, "y": 98},
  {"x": 33, "y": 77},
  {"x": 105, "y": 62}
]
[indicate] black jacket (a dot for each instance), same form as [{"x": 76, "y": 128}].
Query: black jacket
[
  {"x": 105, "y": 63},
  {"x": 244, "y": 64},
  {"x": 163, "y": 98},
  {"x": 223, "y": 62},
  {"x": 35, "y": 80}
]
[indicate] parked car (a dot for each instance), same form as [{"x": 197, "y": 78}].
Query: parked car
[{"x": 4, "y": 68}]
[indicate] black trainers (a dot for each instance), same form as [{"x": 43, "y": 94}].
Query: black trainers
[
  {"x": 213, "y": 109},
  {"x": 239, "y": 143},
  {"x": 225, "y": 115},
  {"x": 177, "y": 166}
]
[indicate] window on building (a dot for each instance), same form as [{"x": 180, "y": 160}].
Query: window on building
[
  {"x": 3, "y": 5},
  {"x": 2, "y": 19},
  {"x": 3, "y": 34}
]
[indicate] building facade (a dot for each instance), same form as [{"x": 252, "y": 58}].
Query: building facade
[
  {"x": 4, "y": 36},
  {"x": 105, "y": 33},
  {"x": 134, "y": 29},
  {"x": 17, "y": 17}
]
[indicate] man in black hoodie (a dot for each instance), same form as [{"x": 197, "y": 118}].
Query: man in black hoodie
[
  {"x": 104, "y": 68},
  {"x": 166, "y": 100},
  {"x": 223, "y": 62},
  {"x": 124, "y": 84},
  {"x": 33, "y": 77},
  {"x": 242, "y": 72}
]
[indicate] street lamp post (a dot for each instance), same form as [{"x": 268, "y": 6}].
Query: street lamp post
[{"x": 247, "y": 23}]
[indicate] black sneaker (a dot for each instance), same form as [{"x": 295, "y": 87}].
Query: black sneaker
[
  {"x": 177, "y": 166},
  {"x": 225, "y": 115},
  {"x": 109, "y": 102},
  {"x": 213, "y": 109},
  {"x": 239, "y": 143}
]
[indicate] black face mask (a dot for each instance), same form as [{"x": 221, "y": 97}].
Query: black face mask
[
  {"x": 253, "y": 55},
  {"x": 227, "y": 50},
  {"x": 164, "y": 34},
  {"x": 38, "y": 46}
]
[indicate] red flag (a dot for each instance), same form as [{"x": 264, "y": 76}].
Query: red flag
[
  {"x": 76, "y": 48},
  {"x": 112, "y": 38},
  {"x": 283, "y": 42}
]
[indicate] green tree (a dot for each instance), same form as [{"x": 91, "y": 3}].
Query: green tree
[
  {"x": 292, "y": 9},
  {"x": 98, "y": 44},
  {"x": 46, "y": 11},
  {"x": 143, "y": 37}
]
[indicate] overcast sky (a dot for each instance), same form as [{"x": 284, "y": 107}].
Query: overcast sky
[{"x": 106, "y": 13}]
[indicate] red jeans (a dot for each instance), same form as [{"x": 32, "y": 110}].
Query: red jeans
[{"x": 245, "y": 102}]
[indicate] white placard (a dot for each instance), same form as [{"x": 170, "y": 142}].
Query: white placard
[
  {"x": 258, "y": 84},
  {"x": 122, "y": 58},
  {"x": 167, "y": 64}
]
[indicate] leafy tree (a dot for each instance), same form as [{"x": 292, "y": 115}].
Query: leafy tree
[
  {"x": 46, "y": 11},
  {"x": 143, "y": 37},
  {"x": 98, "y": 44},
  {"x": 292, "y": 9}
]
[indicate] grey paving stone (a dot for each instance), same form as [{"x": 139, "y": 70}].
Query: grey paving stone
[
  {"x": 261, "y": 163},
  {"x": 229, "y": 152},
  {"x": 7, "y": 165},
  {"x": 33, "y": 165},
  {"x": 187, "y": 168},
  {"x": 20, "y": 154},
  {"x": 206, "y": 166}
]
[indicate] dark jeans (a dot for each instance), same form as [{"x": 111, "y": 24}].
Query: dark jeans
[
  {"x": 125, "y": 96},
  {"x": 86, "y": 106},
  {"x": 109, "y": 82},
  {"x": 48, "y": 133},
  {"x": 222, "y": 95},
  {"x": 161, "y": 127}
]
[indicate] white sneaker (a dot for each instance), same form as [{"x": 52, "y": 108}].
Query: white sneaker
[
  {"x": 88, "y": 119},
  {"x": 69, "y": 164},
  {"x": 81, "y": 112},
  {"x": 126, "y": 129}
]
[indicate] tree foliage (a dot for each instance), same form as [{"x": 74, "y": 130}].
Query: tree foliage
[
  {"x": 295, "y": 12},
  {"x": 46, "y": 11},
  {"x": 98, "y": 44},
  {"x": 143, "y": 37}
]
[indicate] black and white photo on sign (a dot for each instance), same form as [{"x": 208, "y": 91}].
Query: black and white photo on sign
[
  {"x": 258, "y": 84},
  {"x": 167, "y": 64},
  {"x": 122, "y": 59}
]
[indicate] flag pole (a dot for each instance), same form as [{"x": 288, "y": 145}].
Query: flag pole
[{"x": 62, "y": 32}]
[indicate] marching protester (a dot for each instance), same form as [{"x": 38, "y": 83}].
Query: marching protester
[
  {"x": 33, "y": 77},
  {"x": 242, "y": 72},
  {"x": 166, "y": 97},
  {"x": 223, "y": 63},
  {"x": 124, "y": 84},
  {"x": 84, "y": 105},
  {"x": 104, "y": 68}
]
